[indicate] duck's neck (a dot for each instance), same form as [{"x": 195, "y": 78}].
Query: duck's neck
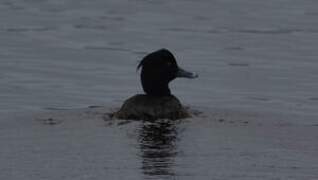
[{"x": 157, "y": 90}]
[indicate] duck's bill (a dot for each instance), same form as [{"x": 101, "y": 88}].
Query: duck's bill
[{"x": 186, "y": 74}]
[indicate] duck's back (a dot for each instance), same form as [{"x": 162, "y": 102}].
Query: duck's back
[{"x": 145, "y": 107}]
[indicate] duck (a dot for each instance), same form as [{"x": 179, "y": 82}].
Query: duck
[{"x": 158, "y": 69}]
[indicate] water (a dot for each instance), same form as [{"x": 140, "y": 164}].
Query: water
[{"x": 257, "y": 89}]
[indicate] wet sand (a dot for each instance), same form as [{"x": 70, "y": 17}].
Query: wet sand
[{"x": 256, "y": 94}]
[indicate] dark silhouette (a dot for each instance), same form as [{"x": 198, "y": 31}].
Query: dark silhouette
[{"x": 158, "y": 69}]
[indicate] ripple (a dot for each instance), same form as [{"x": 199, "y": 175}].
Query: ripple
[
  {"x": 217, "y": 31},
  {"x": 106, "y": 48},
  {"x": 311, "y": 13},
  {"x": 259, "y": 98},
  {"x": 313, "y": 98},
  {"x": 56, "y": 108},
  {"x": 201, "y": 18},
  {"x": 88, "y": 26},
  {"x": 239, "y": 64},
  {"x": 234, "y": 48},
  {"x": 13, "y": 5},
  {"x": 269, "y": 31},
  {"x": 26, "y": 29},
  {"x": 275, "y": 31},
  {"x": 142, "y": 53},
  {"x": 112, "y": 18},
  {"x": 176, "y": 29},
  {"x": 50, "y": 121},
  {"x": 16, "y": 29}
]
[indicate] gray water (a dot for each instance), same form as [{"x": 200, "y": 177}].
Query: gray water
[{"x": 257, "y": 62}]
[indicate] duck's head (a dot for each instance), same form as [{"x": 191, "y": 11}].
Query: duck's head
[{"x": 158, "y": 69}]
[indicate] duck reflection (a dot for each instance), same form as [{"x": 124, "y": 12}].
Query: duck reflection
[{"x": 158, "y": 148}]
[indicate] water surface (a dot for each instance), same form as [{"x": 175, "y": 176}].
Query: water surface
[{"x": 257, "y": 89}]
